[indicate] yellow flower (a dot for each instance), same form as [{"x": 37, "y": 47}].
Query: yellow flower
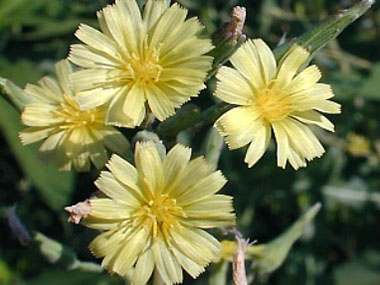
[
  {"x": 358, "y": 145},
  {"x": 156, "y": 57},
  {"x": 72, "y": 137},
  {"x": 154, "y": 215},
  {"x": 273, "y": 97}
]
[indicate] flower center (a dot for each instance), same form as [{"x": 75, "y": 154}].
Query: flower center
[
  {"x": 73, "y": 117},
  {"x": 145, "y": 69},
  {"x": 160, "y": 213},
  {"x": 273, "y": 105}
]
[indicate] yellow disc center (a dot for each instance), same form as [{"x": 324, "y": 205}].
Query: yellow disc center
[
  {"x": 73, "y": 117},
  {"x": 160, "y": 213},
  {"x": 273, "y": 105},
  {"x": 145, "y": 69}
]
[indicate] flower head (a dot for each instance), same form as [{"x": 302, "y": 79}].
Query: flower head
[
  {"x": 273, "y": 97},
  {"x": 154, "y": 215},
  {"x": 156, "y": 57},
  {"x": 71, "y": 136}
]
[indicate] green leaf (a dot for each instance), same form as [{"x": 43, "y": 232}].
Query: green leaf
[
  {"x": 327, "y": 30},
  {"x": 185, "y": 118},
  {"x": 55, "y": 187},
  {"x": 270, "y": 256}
]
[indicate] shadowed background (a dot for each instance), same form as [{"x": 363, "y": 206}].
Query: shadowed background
[{"x": 340, "y": 247}]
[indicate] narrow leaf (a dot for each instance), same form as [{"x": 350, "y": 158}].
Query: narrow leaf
[
  {"x": 55, "y": 187},
  {"x": 270, "y": 256},
  {"x": 327, "y": 30}
]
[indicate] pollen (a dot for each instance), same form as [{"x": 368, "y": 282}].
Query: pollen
[
  {"x": 160, "y": 213},
  {"x": 145, "y": 68},
  {"x": 273, "y": 104},
  {"x": 74, "y": 118}
]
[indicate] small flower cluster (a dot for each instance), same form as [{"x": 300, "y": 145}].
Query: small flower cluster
[{"x": 154, "y": 215}]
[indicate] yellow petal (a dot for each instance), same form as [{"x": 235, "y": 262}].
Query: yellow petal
[
  {"x": 328, "y": 107},
  {"x": 100, "y": 224},
  {"x": 116, "y": 116},
  {"x": 129, "y": 252},
  {"x": 256, "y": 62},
  {"x": 108, "y": 184},
  {"x": 296, "y": 142},
  {"x": 175, "y": 163},
  {"x": 159, "y": 103},
  {"x": 52, "y": 142},
  {"x": 200, "y": 215},
  {"x": 302, "y": 139},
  {"x": 152, "y": 12},
  {"x": 266, "y": 60},
  {"x": 131, "y": 18},
  {"x": 108, "y": 209},
  {"x": 149, "y": 166},
  {"x": 123, "y": 171},
  {"x": 202, "y": 189},
  {"x": 97, "y": 40},
  {"x": 191, "y": 267},
  {"x": 233, "y": 88},
  {"x": 167, "y": 265},
  {"x": 51, "y": 84},
  {"x": 259, "y": 145},
  {"x": 290, "y": 64},
  {"x": 177, "y": 47},
  {"x": 304, "y": 80},
  {"x": 92, "y": 78},
  {"x": 196, "y": 170},
  {"x": 144, "y": 268},
  {"x": 315, "y": 118},
  {"x": 134, "y": 103},
  {"x": 42, "y": 95},
  {"x": 63, "y": 69},
  {"x": 86, "y": 56},
  {"x": 40, "y": 115},
  {"x": 196, "y": 244},
  {"x": 296, "y": 160},
  {"x": 107, "y": 243},
  {"x": 120, "y": 25},
  {"x": 282, "y": 144},
  {"x": 167, "y": 24},
  {"x": 238, "y": 126},
  {"x": 34, "y": 134},
  {"x": 93, "y": 98}
]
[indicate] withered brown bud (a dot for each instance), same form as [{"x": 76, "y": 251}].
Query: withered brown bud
[
  {"x": 78, "y": 211},
  {"x": 234, "y": 29},
  {"x": 238, "y": 265}
]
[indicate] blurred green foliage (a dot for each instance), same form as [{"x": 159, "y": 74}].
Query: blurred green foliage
[{"x": 341, "y": 247}]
